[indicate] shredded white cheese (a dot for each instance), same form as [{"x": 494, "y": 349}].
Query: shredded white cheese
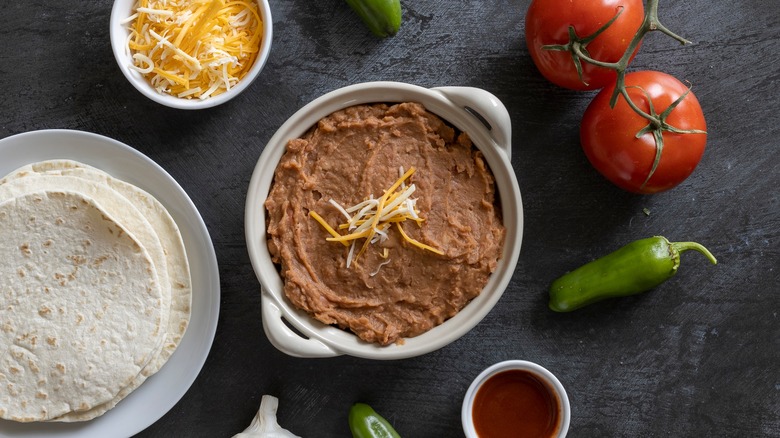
[
  {"x": 378, "y": 268},
  {"x": 373, "y": 218}
]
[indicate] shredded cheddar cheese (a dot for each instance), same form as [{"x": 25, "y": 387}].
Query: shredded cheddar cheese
[
  {"x": 194, "y": 48},
  {"x": 372, "y": 218}
]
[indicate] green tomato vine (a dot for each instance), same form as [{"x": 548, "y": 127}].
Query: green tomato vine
[{"x": 657, "y": 124}]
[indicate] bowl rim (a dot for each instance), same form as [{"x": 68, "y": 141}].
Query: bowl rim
[
  {"x": 539, "y": 371},
  {"x": 339, "y": 341},
  {"x": 118, "y": 36}
]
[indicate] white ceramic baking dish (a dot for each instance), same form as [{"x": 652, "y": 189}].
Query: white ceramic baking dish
[{"x": 472, "y": 110}]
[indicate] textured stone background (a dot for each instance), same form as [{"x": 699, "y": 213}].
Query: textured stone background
[{"x": 698, "y": 356}]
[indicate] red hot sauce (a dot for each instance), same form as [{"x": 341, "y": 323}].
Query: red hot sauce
[{"x": 515, "y": 404}]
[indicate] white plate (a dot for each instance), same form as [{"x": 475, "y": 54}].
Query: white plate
[{"x": 162, "y": 391}]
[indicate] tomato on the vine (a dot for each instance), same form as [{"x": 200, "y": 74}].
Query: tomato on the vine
[
  {"x": 609, "y": 135},
  {"x": 547, "y": 23}
]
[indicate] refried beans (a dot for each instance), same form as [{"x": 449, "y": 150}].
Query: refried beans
[{"x": 354, "y": 154}]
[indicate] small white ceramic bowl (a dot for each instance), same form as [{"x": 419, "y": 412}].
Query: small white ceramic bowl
[
  {"x": 472, "y": 110},
  {"x": 542, "y": 374},
  {"x": 118, "y": 32}
]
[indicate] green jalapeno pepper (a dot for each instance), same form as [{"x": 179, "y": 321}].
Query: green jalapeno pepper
[
  {"x": 382, "y": 17},
  {"x": 632, "y": 269},
  {"x": 364, "y": 422}
]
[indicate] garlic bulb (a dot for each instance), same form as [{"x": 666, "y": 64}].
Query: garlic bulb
[{"x": 264, "y": 424}]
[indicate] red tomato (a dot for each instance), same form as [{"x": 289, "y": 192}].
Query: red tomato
[
  {"x": 547, "y": 22},
  {"x": 608, "y": 135}
]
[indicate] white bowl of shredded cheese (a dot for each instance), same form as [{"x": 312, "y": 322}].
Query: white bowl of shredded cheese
[
  {"x": 471, "y": 110},
  {"x": 191, "y": 54}
]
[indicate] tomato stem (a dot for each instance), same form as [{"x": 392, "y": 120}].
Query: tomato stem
[
  {"x": 655, "y": 24},
  {"x": 578, "y": 47},
  {"x": 658, "y": 125},
  {"x": 650, "y": 23}
]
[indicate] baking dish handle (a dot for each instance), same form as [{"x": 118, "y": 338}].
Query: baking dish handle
[
  {"x": 487, "y": 109},
  {"x": 284, "y": 338}
]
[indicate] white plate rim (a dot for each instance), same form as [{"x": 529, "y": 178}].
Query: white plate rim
[{"x": 155, "y": 397}]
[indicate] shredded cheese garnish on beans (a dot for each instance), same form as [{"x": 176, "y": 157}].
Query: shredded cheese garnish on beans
[
  {"x": 372, "y": 218},
  {"x": 194, "y": 48}
]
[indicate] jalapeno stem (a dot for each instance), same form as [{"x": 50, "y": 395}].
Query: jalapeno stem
[{"x": 685, "y": 246}]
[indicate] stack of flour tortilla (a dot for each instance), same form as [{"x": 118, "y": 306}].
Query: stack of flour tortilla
[{"x": 95, "y": 291}]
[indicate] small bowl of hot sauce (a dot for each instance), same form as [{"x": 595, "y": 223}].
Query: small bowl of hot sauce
[{"x": 516, "y": 398}]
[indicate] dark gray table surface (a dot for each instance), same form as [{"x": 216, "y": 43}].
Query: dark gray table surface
[{"x": 698, "y": 356}]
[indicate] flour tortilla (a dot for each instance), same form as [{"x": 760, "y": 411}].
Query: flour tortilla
[
  {"x": 165, "y": 227},
  {"x": 43, "y": 166},
  {"x": 116, "y": 205},
  {"x": 173, "y": 248},
  {"x": 81, "y": 307}
]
